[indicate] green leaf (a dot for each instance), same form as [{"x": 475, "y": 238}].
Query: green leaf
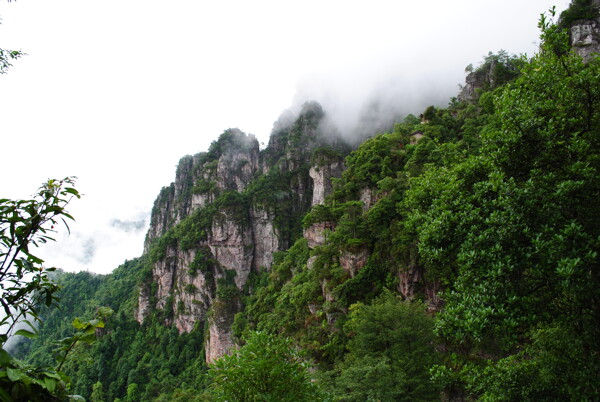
[
  {"x": 78, "y": 324},
  {"x": 26, "y": 334},
  {"x": 4, "y": 357},
  {"x": 50, "y": 384},
  {"x": 14, "y": 374}
]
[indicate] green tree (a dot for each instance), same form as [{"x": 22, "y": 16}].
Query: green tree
[
  {"x": 133, "y": 393},
  {"x": 514, "y": 231},
  {"x": 389, "y": 353},
  {"x": 97, "y": 393},
  {"x": 266, "y": 368}
]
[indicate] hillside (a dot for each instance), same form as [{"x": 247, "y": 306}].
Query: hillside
[{"x": 453, "y": 257}]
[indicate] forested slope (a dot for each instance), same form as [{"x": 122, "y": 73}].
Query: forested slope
[{"x": 454, "y": 257}]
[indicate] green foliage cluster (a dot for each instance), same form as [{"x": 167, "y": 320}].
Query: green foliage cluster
[
  {"x": 204, "y": 186},
  {"x": 202, "y": 262},
  {"x": 266, "y": 368},
  {"x": 497, "y": 203},
  {"x": 578, "y": 10},
  {"x": 497, "y": 69},
  {"x": 515, "y": 228},
  {"x": 7, "y": 57},
  {"x": 309, "y": 301},
  {"x": 226, "y": 287},
  {"x": 390, "y": 352},
  {"x": 25, "y": 285}
]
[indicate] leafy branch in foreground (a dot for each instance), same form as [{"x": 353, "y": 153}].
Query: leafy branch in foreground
[
  {"x": 25, "y": 284},
  {"x": 86, "y": 334},
  {"x": 24, "y": 281}
]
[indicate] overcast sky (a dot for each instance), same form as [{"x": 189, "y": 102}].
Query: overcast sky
[{"x": 116, "y": 92}]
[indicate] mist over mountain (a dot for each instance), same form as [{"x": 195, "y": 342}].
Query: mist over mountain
[{"x": 396, "y": 237}]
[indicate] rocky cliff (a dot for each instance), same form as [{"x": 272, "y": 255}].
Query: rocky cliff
[
  {"x": 585, "y": 32},
  {"x": 226, "y": 213}
]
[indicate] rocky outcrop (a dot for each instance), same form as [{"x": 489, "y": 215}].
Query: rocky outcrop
[
  {"x": 585, "y": 39},
  {"x": 416, "y": 137},
  {"x": 143, "y": 307},
  {"x": 582, "y": 19},
  {"x": 212, "y": 227},
  {"x": 231, "y": 245},
  {"x": 230, "y": 164},
  {"x": 353, "y": 261},
  {"x": 322, "y": 179},
  {"x": 316, "y": 233},
  {"x": 368, "y": 197},
  {"x": 228, "y": 239},
  {"x": 264, "y": 238},
  {"x": 220, "y": 340},
  {"x": 477, "y": 80},
  {"x": 322, "y": 174},
  {"x": 408, "y": 278}
]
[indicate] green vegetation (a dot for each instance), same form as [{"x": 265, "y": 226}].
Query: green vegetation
[
  {"x": 579, "y": 10},
  {"x": 518, "y": 227},
  {"x": 154, "y": 357},
  {"x": 497, "y": 69},
  {"x": 390, "y": 352},
  {"x": 26, "y": 285},
  {"x": 266, "y": 368},
  {"x": 458, "y": 259}
]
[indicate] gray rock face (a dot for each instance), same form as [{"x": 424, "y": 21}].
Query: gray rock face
[
  {"x": 231, "y": 243},
  {"x": 201, "y": 177},
  {"x": 264, "y": 238},
  {"x": 316, "y": 235},
  {"x": 219, "y": 340},
  {"x": 475, "y": 81},
  {"x": 198, "y": 278},
  {"x": 353, "y": 261},
  {"x": 322, "y": 176},
  {"x": 585, "y": 39},
  {"x": 368, "y": 198}
]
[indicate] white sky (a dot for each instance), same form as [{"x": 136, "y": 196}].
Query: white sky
[{"x": 116, "y": 92}]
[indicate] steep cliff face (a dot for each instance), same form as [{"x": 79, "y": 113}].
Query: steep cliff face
[
  {"x": 475, "y": 81},
  {"x": 222, "y": 219},
  {"x": 582, "y": 19},
  {"x": 585, "y": 38},
  {"x": 230, "y": 164}
]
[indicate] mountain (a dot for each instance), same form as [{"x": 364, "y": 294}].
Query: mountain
[
  {"x": 453, "y": 256},
  {"x": 227, "y": 213}
]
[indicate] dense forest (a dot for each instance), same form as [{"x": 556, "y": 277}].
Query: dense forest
[{"x": 454, "y": 257}]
